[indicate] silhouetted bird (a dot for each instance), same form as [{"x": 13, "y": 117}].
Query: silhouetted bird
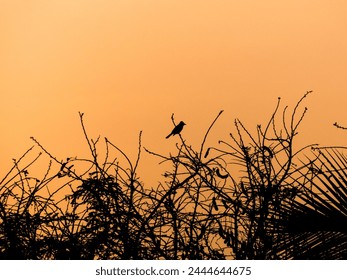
[{"x": 178, "y": 128}]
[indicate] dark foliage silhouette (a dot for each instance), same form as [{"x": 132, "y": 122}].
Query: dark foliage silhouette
[
  {"x": 314, "y": 226},
  {"x": 252, "y": 196}
]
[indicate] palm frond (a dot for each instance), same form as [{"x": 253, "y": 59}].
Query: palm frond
[{"x": 314, "y": 224}]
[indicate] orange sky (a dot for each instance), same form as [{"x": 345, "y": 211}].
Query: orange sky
[{"x": 128, "y": 65}]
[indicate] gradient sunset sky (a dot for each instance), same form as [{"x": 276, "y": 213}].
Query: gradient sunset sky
[{"x": 129, "y": 64}]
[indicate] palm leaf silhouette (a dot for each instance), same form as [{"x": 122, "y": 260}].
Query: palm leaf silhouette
[{"x": 314, "y": 224}]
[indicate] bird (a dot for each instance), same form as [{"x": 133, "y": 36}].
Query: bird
[{"x": 177, "y": 129}]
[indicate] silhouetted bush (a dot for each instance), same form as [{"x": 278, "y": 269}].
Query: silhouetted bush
[{"x": 252, "y": 196}]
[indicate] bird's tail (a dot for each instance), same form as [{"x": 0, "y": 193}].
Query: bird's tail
[{"x": 168, "y": 136}]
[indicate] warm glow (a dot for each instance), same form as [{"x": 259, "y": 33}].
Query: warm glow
[{"x": 128, "y": 65}]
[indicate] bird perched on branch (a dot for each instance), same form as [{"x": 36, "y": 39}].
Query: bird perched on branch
[{"x": 177, "y": 129}]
